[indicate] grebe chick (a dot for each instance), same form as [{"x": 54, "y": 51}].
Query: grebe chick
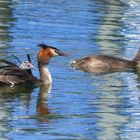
[
  {"x": 26, "y": 65},
  {"x": 13, "y": 74},
  {"x": 105, "y": 63}
]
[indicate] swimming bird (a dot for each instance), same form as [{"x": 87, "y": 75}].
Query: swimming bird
[
  {"x": 11, "y": 74},
  {"x": 105, "y": 63}
]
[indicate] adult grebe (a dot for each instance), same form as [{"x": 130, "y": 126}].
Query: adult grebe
[
  {"x": 105, "y": 63},
  {"x": 11, "y": 74}
]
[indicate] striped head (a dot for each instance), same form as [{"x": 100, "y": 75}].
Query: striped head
[{"x": 46, "y": 52}]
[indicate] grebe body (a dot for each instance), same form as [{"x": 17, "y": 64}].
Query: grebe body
[
  {"x": 11, "y": 74},
  {"x": 105, "y": 63}
]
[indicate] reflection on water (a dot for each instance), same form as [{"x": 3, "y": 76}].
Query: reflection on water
[
  {"x": 5, "y": 19},
  {"x": 109, "y": 108},
  {"x": 22, "y": 95},
  {"x": 111, "y": 24},
  {"x": 5, "y": 23},
  {"x": 77, "y": 105},
  {"x": 42, "y": 107},
  {"x": 131, "y": 28}
]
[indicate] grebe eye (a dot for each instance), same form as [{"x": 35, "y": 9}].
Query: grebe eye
[{"x": 56, "y": 51}]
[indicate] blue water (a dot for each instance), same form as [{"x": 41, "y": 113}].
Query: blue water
[{"x": 78, "y": 105}]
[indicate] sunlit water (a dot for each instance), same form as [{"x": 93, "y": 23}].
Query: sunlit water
[{"x": 78, "y": 105}]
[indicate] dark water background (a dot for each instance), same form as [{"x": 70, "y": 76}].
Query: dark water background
[{"x": 78, "y": 105}]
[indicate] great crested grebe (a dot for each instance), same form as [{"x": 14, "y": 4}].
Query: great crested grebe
[
  {"x": 105, "y": 63},
  {"x": 11, "y": 74}
]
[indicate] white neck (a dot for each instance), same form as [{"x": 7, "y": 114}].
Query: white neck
[{"x": 45, "y": 75}]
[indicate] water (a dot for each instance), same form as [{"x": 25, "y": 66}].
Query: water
[{"x": 78, "y": 105}]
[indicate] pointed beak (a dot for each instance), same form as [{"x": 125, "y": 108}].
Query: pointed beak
[{"x": 63, "y": 54}]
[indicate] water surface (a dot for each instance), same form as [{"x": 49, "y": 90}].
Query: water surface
[{"x": 77, "y": 105}]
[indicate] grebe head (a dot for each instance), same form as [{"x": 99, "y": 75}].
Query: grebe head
[{"x": 46, "y": 52}]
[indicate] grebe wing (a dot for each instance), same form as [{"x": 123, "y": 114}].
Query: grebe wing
[
  {"x": 14, "y": 76},
  {"x": 8, "y": 62}
]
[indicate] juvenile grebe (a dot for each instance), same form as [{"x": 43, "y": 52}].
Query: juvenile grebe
[
  {"x": 105, "y": 63},
  {"x": 13, "y": 74},
  {"x": 26, "y": 65}
]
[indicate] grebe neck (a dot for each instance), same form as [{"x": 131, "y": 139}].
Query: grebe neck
[{"x": 45, "y": 75}]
